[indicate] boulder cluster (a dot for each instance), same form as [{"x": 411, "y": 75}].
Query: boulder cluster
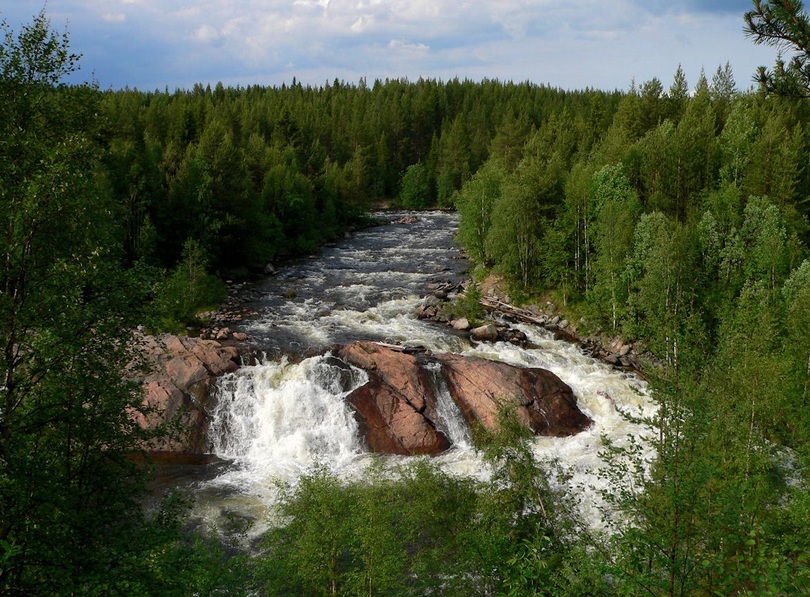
[
  {"x": 233, "y": 310},
  {"x": 437, "y": 306},
  {"x": 398, "y": 410},
  {"x": 615, "y": 352}
]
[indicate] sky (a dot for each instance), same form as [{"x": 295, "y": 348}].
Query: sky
[{"x": 569, "y": 44}]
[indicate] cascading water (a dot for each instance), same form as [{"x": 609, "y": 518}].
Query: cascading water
[
  {"x": 279, "y": 419},
  {"x": 274, "y": 419},
  {"x": 450, "y": 420}
]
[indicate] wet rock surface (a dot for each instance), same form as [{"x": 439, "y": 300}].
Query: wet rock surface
[
  {"x": 177, "y": 387},
  {"x": 396, "y": 409}
]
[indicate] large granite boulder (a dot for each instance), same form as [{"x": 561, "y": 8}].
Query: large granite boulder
[
  {"x": 179, "y": 375},
  {"x": 396, "y": 409},
  {"x": 482, "y": 388}
]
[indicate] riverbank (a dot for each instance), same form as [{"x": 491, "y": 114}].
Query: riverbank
[{"x": 442, "y": 303}]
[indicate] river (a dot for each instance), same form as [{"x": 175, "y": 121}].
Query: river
[{"x": 279, "y": 419}]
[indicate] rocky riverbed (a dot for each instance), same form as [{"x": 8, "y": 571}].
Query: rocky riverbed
[
  {"x": 438, "y": 307},
  {"x": 304, "y": 406},
  {"x": 395, "y": 409}
]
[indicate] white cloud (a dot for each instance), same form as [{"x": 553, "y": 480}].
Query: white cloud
[
  {"x": 363, "y": 23},
  {"x": 206, "y": 34},
  {"x": 411, "y": 49},
  {"x": 311, "y": 3},
  {"x": 576, "y": 43},
  {"x": 114, "y": 17}
]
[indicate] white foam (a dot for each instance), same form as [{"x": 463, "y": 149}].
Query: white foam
[{"x": 277, "y": 420}]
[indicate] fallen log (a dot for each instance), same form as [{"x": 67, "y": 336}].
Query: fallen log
[{"x": 512, "y": 311}]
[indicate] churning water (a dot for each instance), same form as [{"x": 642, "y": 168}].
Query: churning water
[{"x": 277, "y": 420}]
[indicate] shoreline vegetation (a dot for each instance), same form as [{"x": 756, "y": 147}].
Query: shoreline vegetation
[
  {"x": 672, "y": 217},
  {"x": 471, "y": 310}
]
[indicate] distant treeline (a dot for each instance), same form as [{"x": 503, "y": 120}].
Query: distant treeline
[{"x": 254, "y": 173}]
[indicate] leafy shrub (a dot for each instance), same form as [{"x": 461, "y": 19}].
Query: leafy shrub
[{"x": 187, "y": 291}]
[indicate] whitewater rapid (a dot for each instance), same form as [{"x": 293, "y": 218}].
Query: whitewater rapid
[{"x": 287, "y": 416}]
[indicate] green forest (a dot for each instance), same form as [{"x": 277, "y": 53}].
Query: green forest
[{"x": 673, "y": 215}]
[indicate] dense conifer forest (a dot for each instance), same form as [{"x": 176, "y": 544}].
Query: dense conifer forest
[
  {"x": 255, "y": 173},
  {"x": 673, "y": 215}
]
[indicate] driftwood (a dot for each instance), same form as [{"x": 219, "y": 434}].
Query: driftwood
[
  {"x": 591, "y": 346},
  {"x": 512, "y": 311},
  {"x": 401, "y": 348}
]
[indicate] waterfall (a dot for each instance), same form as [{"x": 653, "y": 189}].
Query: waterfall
[
  {"x": 279, "y": 419},
  {"x": 450, "y": 421}
]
